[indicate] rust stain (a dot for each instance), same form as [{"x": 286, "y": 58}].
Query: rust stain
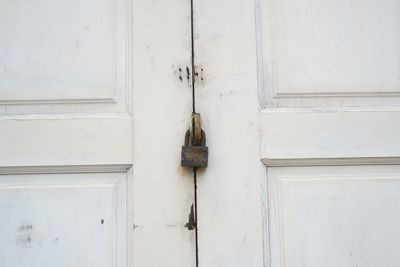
[{"x": 191, "y": 224}]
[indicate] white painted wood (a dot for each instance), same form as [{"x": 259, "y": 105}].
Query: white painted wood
[
  {"x": 163, "y": 192},
  {"x": 57, "y": 51},
  {"x": 329, "y": 134},
  {"x": 65, "y": 105},
  {"x": 301, "y": 162},
  {"x": 330, "y": 53},
  {"x": 56, "y": 169},
  {"x": 93, "y": 87},
  {"x": 229, "y": 201},
  {"x": 63, "y": 220},
  {"x": 334, "y": 216},
  {"x": 119, "y": 97},
  {"x": 72, "y": 52},
  {"x": 65, "y": 141},
  {"x": 294, "y": 84}
]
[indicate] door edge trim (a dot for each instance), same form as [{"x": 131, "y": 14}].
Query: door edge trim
[
  {"x": 339, "y": 161},
  {"x": 57, "y": 169}
]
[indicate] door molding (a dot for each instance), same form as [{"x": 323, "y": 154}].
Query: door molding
[
  {"x": 348, "y": 161},
  {"x": 57, "y": 169}
]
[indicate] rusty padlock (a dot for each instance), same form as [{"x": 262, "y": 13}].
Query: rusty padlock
[{"x": 195, "y": 156}]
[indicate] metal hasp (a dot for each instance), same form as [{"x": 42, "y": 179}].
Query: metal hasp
[{"x": 195, "y": 152}]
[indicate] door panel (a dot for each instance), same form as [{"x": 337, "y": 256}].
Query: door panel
[
  {"x": 73, "y": 53},
  {"x": 332, "y": 134},
  {"x": 43, "y": 140},
  {"x": 330, "y": 53},
  {"x": 334, "y": 216},
  {"x": 63, "y": 220}
]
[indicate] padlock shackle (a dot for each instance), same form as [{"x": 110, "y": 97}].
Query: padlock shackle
[{"x": 188, "y": 138}]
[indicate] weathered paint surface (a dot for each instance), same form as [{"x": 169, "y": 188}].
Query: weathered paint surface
[
  {"x": 305, "y": 86},
  {"x": 163, "y": 191},
  {"x": 63, "y": 220},
  {"x": 299, "y": 83},
  {"x": 77, "y": 97},
  {"x": 229, "y": 200}
]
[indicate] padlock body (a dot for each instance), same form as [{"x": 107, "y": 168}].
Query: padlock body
[{"x": 194, "y": 156}]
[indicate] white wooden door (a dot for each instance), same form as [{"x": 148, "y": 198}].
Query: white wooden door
[
  {"x": 300, "y": 103},
  {"x": 299, "y": 100},
  {"x": 92, "y": 114}
]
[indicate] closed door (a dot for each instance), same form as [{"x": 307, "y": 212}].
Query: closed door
[
  {"x": 87, "y": 89},
  {"x": 301, "y": 105},
  {"x": 299, "y": 101}
]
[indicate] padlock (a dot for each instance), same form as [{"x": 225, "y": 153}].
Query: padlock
[{"x": 192, "y": 155}]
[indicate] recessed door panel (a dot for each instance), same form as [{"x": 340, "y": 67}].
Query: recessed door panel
[
  {"x": 63, "y": 52},
  {"x": 62, "y": 220},
  {"x": 345, "y": 53},
  {"x": 334, "y": 216}
]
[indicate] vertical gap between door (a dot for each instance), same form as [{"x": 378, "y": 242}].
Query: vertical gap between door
[
  {"x": 192, "y": 57},
  {"x": 194, "y": 111},
  {"x": 196, "y": 230}
]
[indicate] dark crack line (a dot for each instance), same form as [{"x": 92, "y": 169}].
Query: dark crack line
[
  {"x": 194, "y": 111},
  {"x": 196, "y": 230},
  {"x": 193, "y": 63}
]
